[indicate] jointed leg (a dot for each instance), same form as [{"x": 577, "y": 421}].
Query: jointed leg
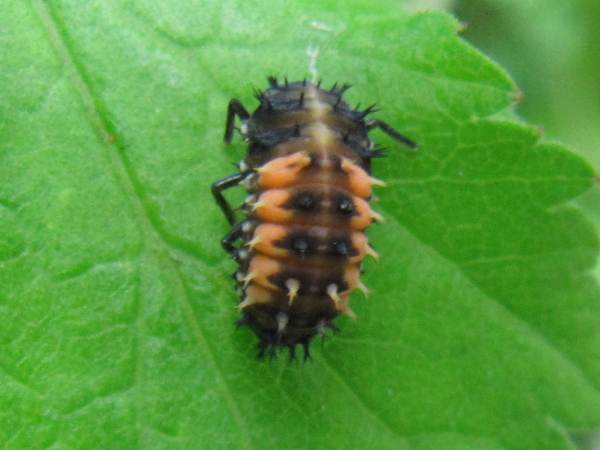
[
  {"x": 235, "y": 108},
  {"x": 390, "y": 131},
  {"x": 217, "y": 189},
  {"x": 235, "y": 233}
]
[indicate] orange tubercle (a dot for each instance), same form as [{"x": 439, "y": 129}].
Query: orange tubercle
[
  {"x": 359, "y": 180},
  {"x": 260, "y": 269},
  {"x": 265, "y": 235},
  {"x": 255, "y": 295},
  {"x": 270, "y": 206},
  {"x": 360, "y": 243},
  {"x": 352, "y": 277},
  {"x": 282, "y": 171},
  {"x": 345, "y": 309},
  {"x": 364, "y": 215}
]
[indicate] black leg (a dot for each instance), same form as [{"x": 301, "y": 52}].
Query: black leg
[
  {"x": 387, "y": 129},
  {"x": 235, "y": 108},
  {"x": 217, "y": 189},
  {"x": 235, "y": 233}
]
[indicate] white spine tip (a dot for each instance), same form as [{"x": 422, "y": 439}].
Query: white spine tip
[
  {"x": 244, "y": 303},
  {"x": 293, "y": 287},
  {"x": 377, "y": 217},
  {"x": 321, "y": 328},
  {"x": 364, "y": 289},
  {"x": 332, "y": 291},
  {"x": 377, "y": 182},
  {"x": 253, "y": 242},
  {"x": 248, "y": 278},
  {"x": 257, "y": 205},
  {"x": 348, "y": 312},
  {"x": 372, "y": 253},
  {"x": 282, "y": 321}
]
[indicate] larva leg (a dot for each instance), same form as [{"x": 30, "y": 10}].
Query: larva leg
[
  {"x": 390, "y": 131},
  {"x": 235, "y": 108},
  {"x": 235, "y": 233},
  {"x": 217, "y": 189}
]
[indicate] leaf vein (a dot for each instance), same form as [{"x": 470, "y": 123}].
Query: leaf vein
[
  {"x": 378, "y": 417},
  {"x": 132, "y": 187},
  {"x": 521, "y": 320}
]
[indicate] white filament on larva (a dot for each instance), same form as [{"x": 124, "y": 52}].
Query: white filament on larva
[{"x": 313, "y": 55}]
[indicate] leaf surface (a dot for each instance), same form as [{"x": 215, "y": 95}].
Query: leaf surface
[{"x": 115, "y": 297}]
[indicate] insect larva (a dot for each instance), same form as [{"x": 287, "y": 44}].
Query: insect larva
[{"x": 301, "y": 242}]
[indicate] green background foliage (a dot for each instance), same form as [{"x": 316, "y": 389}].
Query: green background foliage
[
  {"x": 553, "y": 58},
  {"x": 551, "y": 48},
  {"x": 115, "y": 298}
]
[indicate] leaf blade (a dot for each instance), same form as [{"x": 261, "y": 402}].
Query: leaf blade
[{"x": 119, "y": 300}]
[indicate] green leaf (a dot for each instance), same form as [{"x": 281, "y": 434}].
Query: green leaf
[{"x": 115, "y": 299}]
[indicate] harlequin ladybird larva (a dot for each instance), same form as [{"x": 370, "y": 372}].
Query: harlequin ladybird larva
[{"x": 302, "y": 240}]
